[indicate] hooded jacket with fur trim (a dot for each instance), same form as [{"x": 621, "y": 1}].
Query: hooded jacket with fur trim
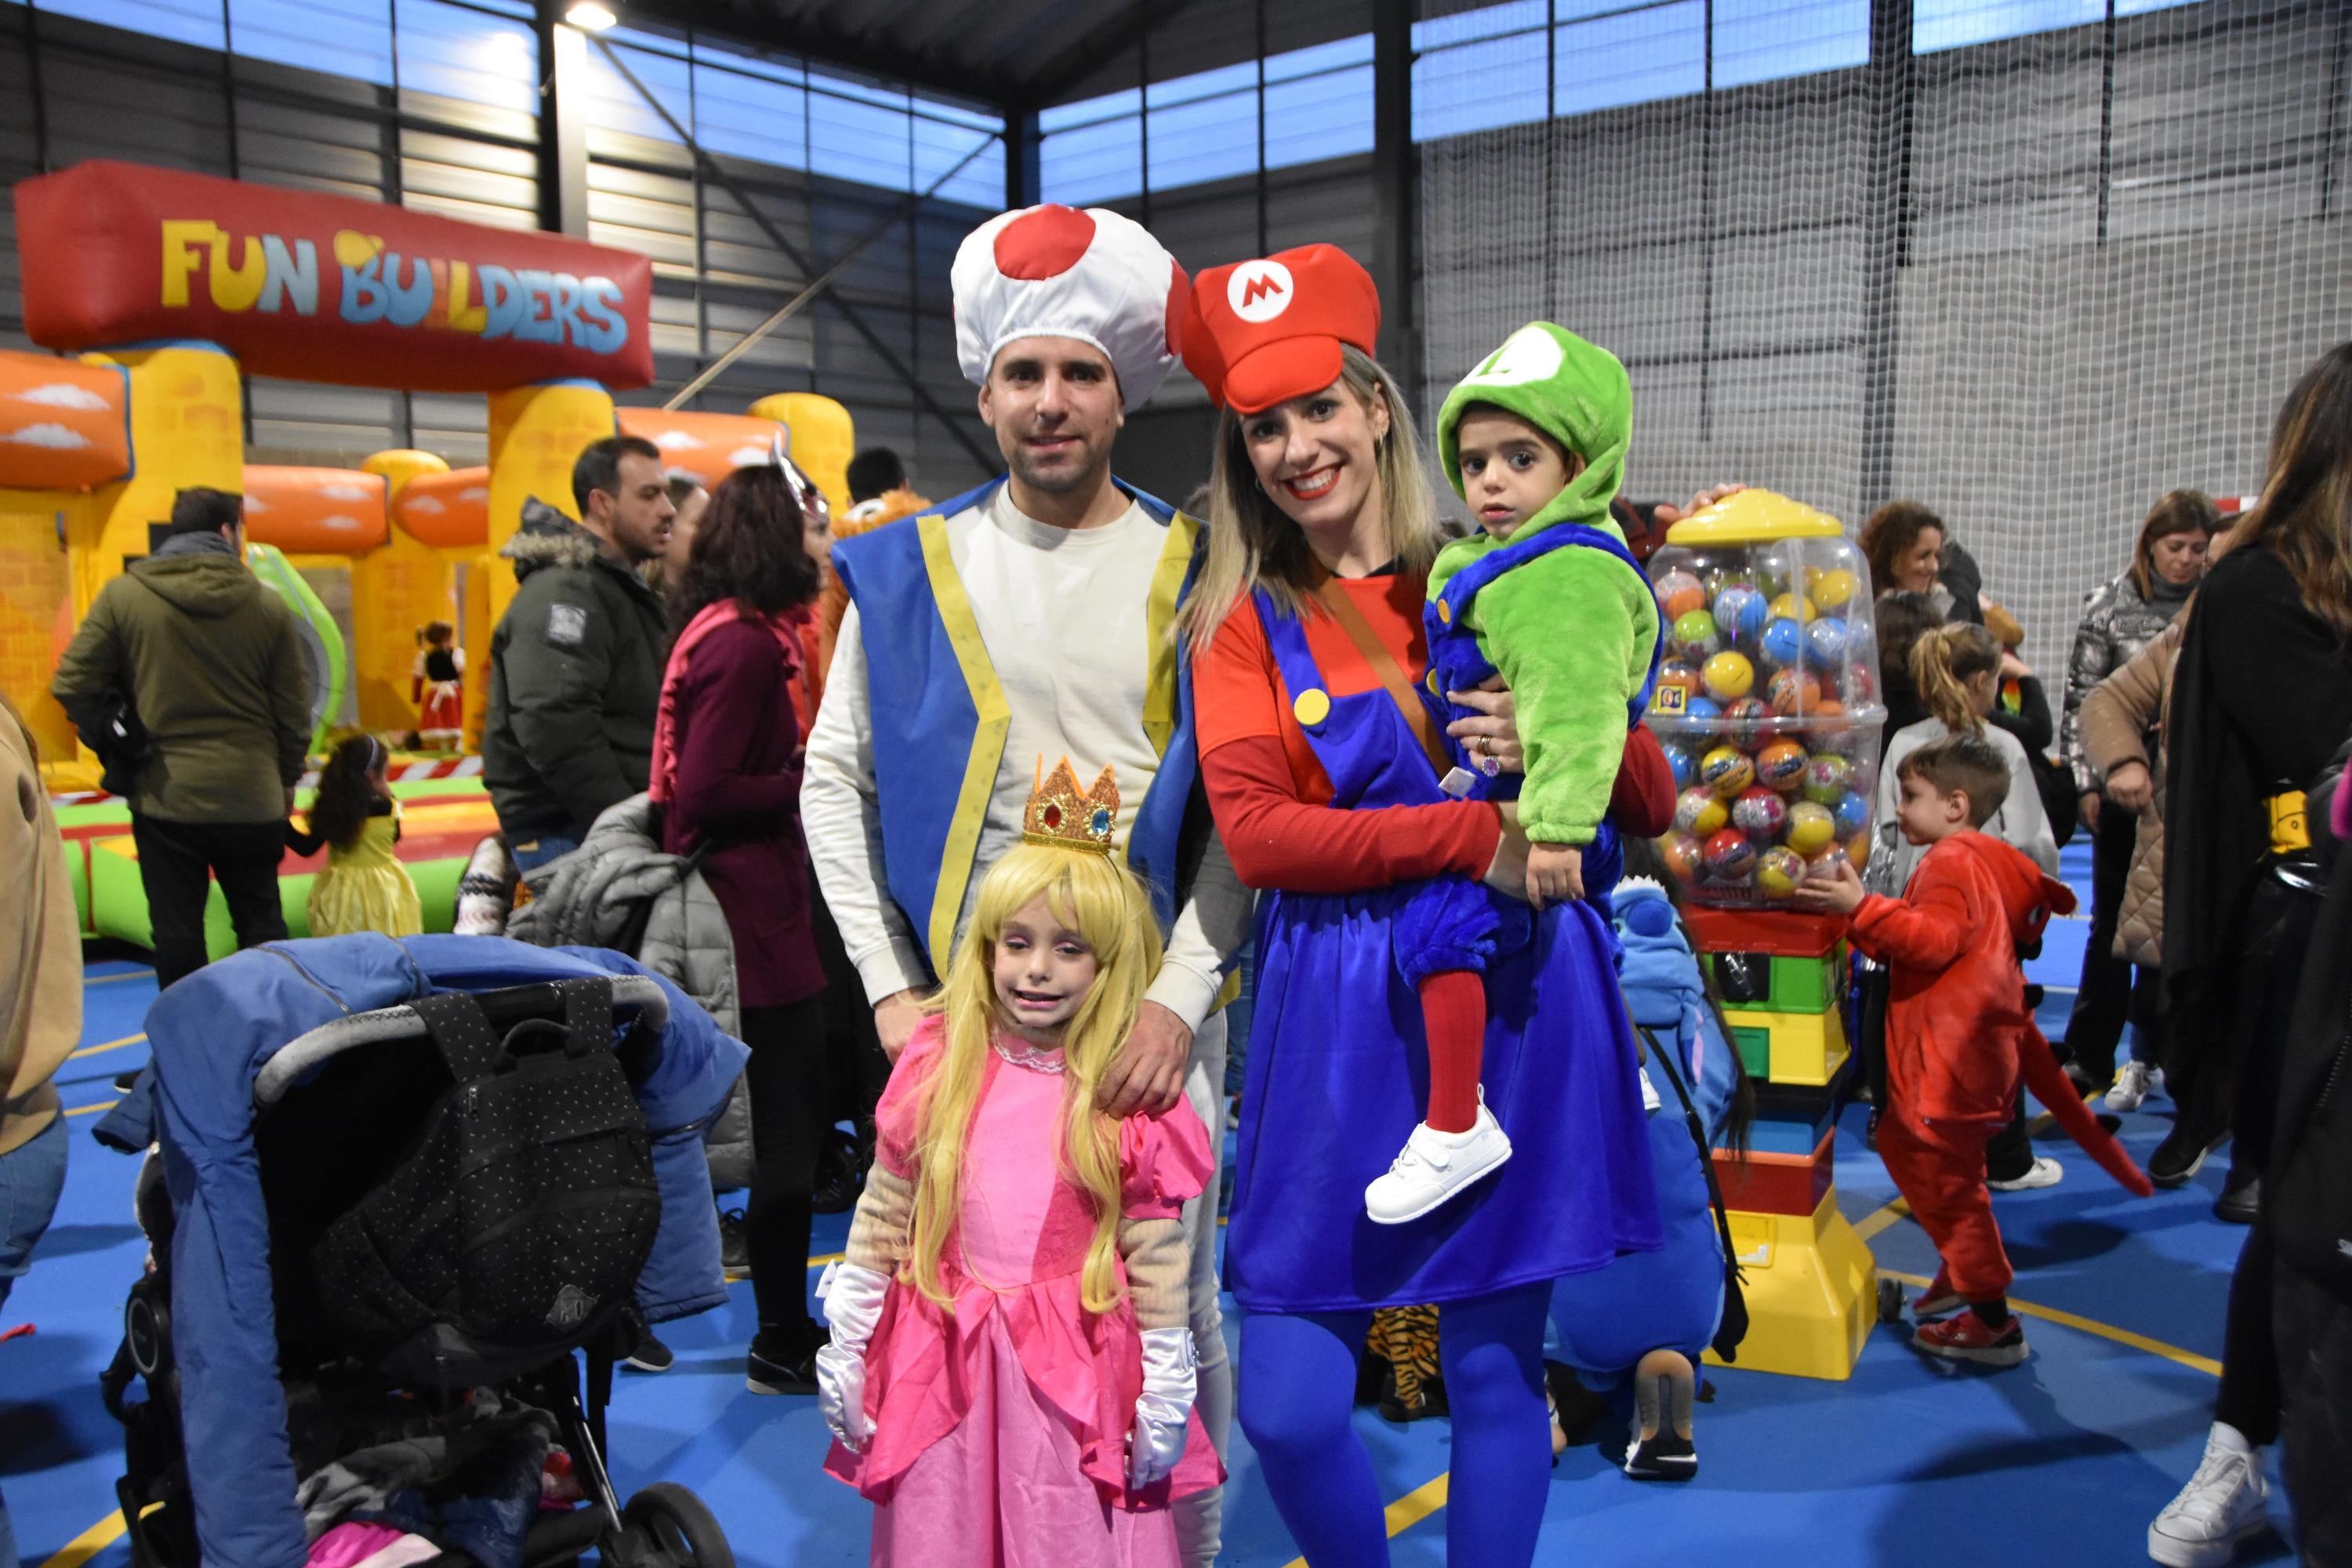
[
  {"x": 1957, "y": 1022},
  {"x": 575, "y": 678}
]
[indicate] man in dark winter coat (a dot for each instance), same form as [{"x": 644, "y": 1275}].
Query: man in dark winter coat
[
  {"x": 577, "y": 662},
  {"x": 213, "y": 665}
]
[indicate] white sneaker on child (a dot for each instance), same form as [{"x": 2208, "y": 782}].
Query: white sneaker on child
[
  {"x": 1435, "y": 1165},
  {"x": 2133, "y": 1085},
  {"x": 2044, "y": 1171},
  {"x": 2224, "y": 1503}
]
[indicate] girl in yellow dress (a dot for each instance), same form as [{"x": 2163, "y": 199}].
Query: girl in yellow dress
[{"x": 354, "y": 819}]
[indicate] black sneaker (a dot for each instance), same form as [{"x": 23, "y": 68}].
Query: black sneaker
[
  {"x": 773, "y": 1366},
  {"x": 651, "y": 1355},
  {"x": 2241, "y": 1202},
  {"x": 734, "y": 1250},
  {"x": 2181, "y": 1156},
  {"x": 124, "y": 1082}
]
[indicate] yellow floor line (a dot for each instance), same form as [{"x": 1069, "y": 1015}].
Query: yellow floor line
[
  {"x": 2189, "y": 1359},
  {"x": 1877, "y": 1220},
  {"x": 1407, "y": 1511},
  {"x": 93, "y": 1110},
  {"x": 110, "y": 1045},
  {"x": 110, "y": 979},
  {"x": 89, "y": 1542}
]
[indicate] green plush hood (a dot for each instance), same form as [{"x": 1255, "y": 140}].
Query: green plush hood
[{"x": 1575, "y": 391}]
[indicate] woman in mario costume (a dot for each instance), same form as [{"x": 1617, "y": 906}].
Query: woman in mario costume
[{"x": 1322, "y": 768}]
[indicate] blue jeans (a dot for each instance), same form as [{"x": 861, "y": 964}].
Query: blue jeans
[
  {"x": 528, "y": 858},
  {"x": 31, "y": 1179}
]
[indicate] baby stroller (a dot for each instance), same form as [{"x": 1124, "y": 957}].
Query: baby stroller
[{"x": 401, "y": 1184}]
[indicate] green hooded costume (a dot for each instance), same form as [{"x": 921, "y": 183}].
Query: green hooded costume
[{"x": 1571, "y": 630}]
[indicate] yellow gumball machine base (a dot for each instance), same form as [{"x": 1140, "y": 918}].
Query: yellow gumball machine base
[{"x": 1812, "y": 1292}]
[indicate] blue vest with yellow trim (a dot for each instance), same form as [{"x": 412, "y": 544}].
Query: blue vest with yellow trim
[{"x": 940, "y": 717}]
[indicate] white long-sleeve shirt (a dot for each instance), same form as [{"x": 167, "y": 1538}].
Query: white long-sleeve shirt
[
  {"x": 2021, "y": 821},
  {"x": 1062, "y": 615}
]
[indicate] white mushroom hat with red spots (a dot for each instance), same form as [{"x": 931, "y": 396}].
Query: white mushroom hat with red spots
[{"x": 1059, "y": 272}]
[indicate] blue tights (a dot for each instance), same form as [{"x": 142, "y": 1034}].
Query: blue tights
[{"x": 1297, "y": 1391}]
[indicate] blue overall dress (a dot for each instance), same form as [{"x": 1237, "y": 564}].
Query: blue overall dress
[{"x": 1339, "y": 1073}]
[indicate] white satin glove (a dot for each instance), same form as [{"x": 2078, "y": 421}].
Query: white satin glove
[
  {"x": 852, "y": 1305},
  {"x": 1171, "y": 1383}
]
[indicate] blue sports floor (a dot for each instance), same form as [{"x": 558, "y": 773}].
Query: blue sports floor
[{"x": 1910, "y": 1463}]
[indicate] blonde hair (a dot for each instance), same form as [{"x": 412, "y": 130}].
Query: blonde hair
[
  {"x": 1103, "y": 902},
  {"x": 1942, "y": 662},
  {"x": 1254, "y": 544}
]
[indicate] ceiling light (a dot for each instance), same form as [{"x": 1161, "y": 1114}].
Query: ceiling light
[{"x": 588, "y": 14}]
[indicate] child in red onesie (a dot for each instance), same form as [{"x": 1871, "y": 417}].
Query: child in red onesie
[{"x": 1958, "y": 1033}]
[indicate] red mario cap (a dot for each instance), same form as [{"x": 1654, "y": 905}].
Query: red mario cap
[{"x": 1262, "y": 332}]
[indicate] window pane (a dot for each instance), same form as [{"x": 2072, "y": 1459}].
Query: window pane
[
  {"x": 1089, "y": 110},
  {"x": 1310, "y": 118},
  {"x": 1481, "y": 85},
  {"x": 1948, "y": 23},
  {"x": 183, "y": 21},
  {"x": 1487, "y": 22},
  {"x": 1764, "y": 40},
  {"x": 939, "y": 147},
  {"x": 459, "y": 52},
  {"x": 1634, "y": 57},
  {"x": 850, "y": 140},
  {"x": 1095, "y": 163},
  {"x": 1203, "y": 84},
  {"x": 613, "y": 104},
  {"x": 750, "y": 117},
  {"x": 1209, "y": 139},
  {"x": 343, "y": 38}
]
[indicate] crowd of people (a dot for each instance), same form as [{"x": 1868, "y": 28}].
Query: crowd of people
[{"x": 966, "y": 818}]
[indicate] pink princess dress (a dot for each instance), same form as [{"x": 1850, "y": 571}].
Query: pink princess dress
[{"x": 1001, "y": 1427}]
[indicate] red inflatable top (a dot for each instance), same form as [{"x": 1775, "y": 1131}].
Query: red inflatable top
[{"x": 319, "y": 288}]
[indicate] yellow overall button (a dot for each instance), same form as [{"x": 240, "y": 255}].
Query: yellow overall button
[
  {"x": 1311, "y": 707},
  {"x": 1445, "y": 613}
]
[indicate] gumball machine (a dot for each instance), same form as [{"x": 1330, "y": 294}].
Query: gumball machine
[{"x": 1767, "y": 704}]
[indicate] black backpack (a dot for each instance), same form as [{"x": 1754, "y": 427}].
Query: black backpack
[{"x": 523, "y": 1212}]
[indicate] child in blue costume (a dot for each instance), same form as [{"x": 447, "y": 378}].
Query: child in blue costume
[
  {"x": 1337, "y": 1067},
  {"x": 1547, "y": 596},
  {"x": 1648, "y": 1317}
]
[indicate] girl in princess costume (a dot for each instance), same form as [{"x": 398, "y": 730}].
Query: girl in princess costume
[
  {"x": 437, "y": 684},
  {"x": 1322, "y": 766},
  {"x": 1010, "y": 1372}
]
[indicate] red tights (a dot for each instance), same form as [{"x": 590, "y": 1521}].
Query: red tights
[{"x": 1454, "y": 1014}]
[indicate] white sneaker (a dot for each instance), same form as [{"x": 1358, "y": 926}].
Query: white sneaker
[
  {"x": 2045, "y": 1173},
  {"x": 2132, "y": 1086},
  {"x": 1650, "y": 1101},
  {"x": 1434, "y": 1166},
  {"x": 2224, "y": 1503}
]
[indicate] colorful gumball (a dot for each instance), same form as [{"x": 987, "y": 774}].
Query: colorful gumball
[
  {"x": 1743, "y": 720},
  {"x": 1679, "y": 761},
  {"x": 1704, "y": 714},
  {"x": 1729, "y": 675},
  {"x": 1700, "y": 812},
  {"x": 1726, "y": 770},
  {"x": 1759, "y": 813},
  {"x": 1730, "y": 856},
  {"x": 1811, "y": 828},
  {"x": 1685, "y": 857},
  {"x": 1695, "y": 637},
  {"x": 1792, "y": 691},
  {"x": 1857, "y": 850},
  {"x": 1679, "y": 593},
  {"x": 1792, "y": 606},
  {"x": 1833, "y": 590},
  {"x": 1852, "y": 814},
  {"x": 1778, "y": 872},
  {"x": 1860, "y": 687},
  {"x": 1739, "y": 614},
  {"x": 1782, "y": 642},
  {"x": 1826, "y": 639},
  {"x": 1828, "y": 777},
  {"x": 1674, "y": 672},
  {"x": 1781, "y": 765},
  {"x": 1770, "y": 571}
]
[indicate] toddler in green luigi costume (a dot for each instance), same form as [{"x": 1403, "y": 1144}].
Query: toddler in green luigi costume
[
  {"x": 1547, "y": 597},
  {"x": 1534, "y": 440}
]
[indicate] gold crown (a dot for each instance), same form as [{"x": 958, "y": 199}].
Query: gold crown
[{"x": 1060, "y": 814}]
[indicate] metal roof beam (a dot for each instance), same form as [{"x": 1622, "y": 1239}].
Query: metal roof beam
[
  {"x": 1122, "y": 32},
  {"x": 768, "y": 26}
]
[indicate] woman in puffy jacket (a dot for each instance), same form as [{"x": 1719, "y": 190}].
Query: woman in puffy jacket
[{"x": 2118, "y": 620}]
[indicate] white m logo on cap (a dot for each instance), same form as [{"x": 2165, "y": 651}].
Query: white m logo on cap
[{"x": 1258, "y": 291}]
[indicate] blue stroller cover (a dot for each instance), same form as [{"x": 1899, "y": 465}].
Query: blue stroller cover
[{"x": 211, "y": 1035}]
